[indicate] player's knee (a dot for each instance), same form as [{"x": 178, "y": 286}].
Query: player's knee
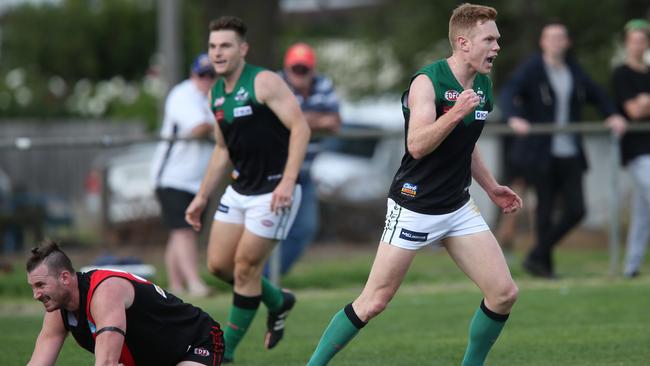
[
  {"x": 507, "y": 296},
  {"x": 245, "y": 271},
  {"x": 220, "y": 271},
  {"x": 377, "y": 304},
  {"x": 375, "y": 308}
]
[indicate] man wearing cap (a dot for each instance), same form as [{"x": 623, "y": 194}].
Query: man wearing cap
[
  {"x": 178, "y": 168},
  {"x": 320, "y": 105},
  {"x": 632, "y": 91}
]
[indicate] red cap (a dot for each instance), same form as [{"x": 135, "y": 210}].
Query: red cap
[{"x": 300, "y": 54}]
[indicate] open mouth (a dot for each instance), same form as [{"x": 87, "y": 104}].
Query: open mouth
[{"x": 490, "y": 59}]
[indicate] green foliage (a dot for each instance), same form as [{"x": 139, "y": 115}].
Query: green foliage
[
  {"x": 81, "y": 39},
  {"x": 66, "y": 53},
  {"x": 413, "y": 33}
]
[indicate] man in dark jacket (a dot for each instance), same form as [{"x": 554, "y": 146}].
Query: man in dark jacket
[{"x": 552, "y": 88}]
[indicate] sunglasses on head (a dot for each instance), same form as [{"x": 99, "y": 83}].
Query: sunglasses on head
[
  {"x": 300, "y": 69},
  {"x": 207, "y": 74}
]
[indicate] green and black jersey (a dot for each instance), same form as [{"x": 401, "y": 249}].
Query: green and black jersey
[
  {"x": 438, "y": 183},
  {"x": 257, "y": 140}
]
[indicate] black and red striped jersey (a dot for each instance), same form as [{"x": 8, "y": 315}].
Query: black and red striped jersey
[{"x": 161, "y": 328}]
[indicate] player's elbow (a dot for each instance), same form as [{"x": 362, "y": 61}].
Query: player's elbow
[
  {"x": 415, "y": 150},
  {"x": 302, "y": 130}
]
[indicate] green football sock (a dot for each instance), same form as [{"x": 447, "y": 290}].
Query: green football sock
[
  {"x": 240, "y": 318},
  {"x": 272, "y": 296},
  {"x": 484, "y": 330},
  {"x": 344, "y": 326}
]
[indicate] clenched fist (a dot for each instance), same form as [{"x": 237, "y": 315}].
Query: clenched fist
[{"x": 466, "y": 102}]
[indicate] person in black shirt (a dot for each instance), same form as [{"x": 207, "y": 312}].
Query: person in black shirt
[
  {"x": 632, "y": 90},
  {"x": 121, "y": 318},
  {"x": 550, "y": 87}
]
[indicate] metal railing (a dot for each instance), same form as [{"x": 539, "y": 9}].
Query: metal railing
[{"x": 586, "y": 128}]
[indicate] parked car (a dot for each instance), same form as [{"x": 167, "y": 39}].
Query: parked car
[
  {"x": 358, "y": 166},
  {"x": 119, "y": 191}
]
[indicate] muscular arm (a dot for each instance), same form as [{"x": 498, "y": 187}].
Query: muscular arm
[
  {"x": 108, "y": 308},
  {"x": 274, "y": 92},
  {"x": 49, "y": 341},
  {"x": 480, "y": 172},
  {"x": 424, "y": 135},
  {"x": 502, "y": 196}
]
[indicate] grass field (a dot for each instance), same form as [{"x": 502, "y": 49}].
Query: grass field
[{"x": 587, "y": 318}]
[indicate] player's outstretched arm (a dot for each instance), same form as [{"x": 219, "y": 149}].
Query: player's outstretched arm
[
  {"x": 274, "y": 92},
  {"x": 108, "y": 310},
  {"x": 502, "y": 196},
  {"x": 49, "y": 341}
]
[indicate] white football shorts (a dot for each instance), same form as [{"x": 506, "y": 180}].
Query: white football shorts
[
  {"x": 411, "y": 230},
  {"x": 255, "y": 213}
]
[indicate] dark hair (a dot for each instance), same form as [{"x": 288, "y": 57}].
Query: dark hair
[
  {"x": 555, "y": 22},
  {"x": 229, "y": 22},
  {"x": 50, "y": 254}
]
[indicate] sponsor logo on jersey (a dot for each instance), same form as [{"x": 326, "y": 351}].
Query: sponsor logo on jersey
[
  {"x": 242, "y": 95},
  {"x": 451, "y": 95},
  {"x": 219, "y": 102},
  {"x": 481, "y": 97},
  {"x": 219, "y": 115},
  {"x": 409, "y": 189},
  {"x": 413, "y": 235},
  {"x": 242, "y": 111},
  {"x": 274, "y": 177},
  {"x": 223, "y": 208},
  {"x": 446, "y": 108},
  {"x": 201, "y": 352},
  {"x": 267, "y": 223},
  {"x": 480, "y": 115}
]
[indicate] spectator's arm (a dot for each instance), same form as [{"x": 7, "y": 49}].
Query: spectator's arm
[
  {"x": 513, "y": 92},
  {"x": 323, "y": 121},
  {"x": 635, "y": 103},
  {"x": 638, "y": 108},
  {"x": 202, "y": 130},
  {"x": 596, "y": 95},
  {"x": 191, "y": 116},
  {"x": 324, "y": 116},
  {"x": 49, "y": 341}
]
